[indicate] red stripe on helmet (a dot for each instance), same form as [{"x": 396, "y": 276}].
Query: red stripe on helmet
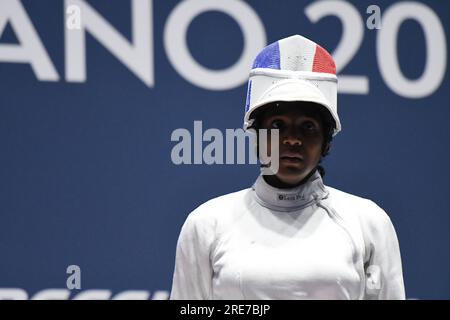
[{"x": 323, "y": 61}]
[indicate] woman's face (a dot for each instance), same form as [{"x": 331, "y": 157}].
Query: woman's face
[{"x": 301, "y": 140}]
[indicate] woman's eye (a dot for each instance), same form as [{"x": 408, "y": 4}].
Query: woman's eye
[
  {"x": 277, "y": 124},
  {"x": 309, "y": 125}
]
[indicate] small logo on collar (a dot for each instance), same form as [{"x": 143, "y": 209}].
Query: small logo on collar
[{"x": 290, "y": 197}]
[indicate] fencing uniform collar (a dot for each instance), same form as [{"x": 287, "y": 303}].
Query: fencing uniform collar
[{"x": 289, "y": 199}]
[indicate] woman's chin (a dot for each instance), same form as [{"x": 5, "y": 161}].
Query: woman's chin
[
  {"x": 291, "y": 169},
  {"x": 291, "y": 174},
  {"x": 290, "y": 179}
]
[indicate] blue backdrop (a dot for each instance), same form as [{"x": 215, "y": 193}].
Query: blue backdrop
[{"x": 86, "y": 172}]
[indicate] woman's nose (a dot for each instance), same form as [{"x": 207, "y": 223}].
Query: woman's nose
[
  {"x": 292, "y": 141},
  {"x": 292, "y": 138}
]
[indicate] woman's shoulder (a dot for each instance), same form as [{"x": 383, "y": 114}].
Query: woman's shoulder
[
  {"x": 216, "y": 207},
  {"x": 341, "y": 195},
  {"x": 354, "y": 206}
]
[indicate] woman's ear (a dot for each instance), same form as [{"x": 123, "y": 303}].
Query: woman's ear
[{"x": 326, "y": 149}]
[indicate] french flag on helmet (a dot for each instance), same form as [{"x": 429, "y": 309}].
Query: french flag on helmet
[{"x": 293, "y": 69}]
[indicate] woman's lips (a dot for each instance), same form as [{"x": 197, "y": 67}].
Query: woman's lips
[
  {"x": 291, "y": 156},
  {"x": 291, "y": 159}
]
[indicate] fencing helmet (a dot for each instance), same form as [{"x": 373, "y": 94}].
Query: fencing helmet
[{"x": 292, "y": 69}]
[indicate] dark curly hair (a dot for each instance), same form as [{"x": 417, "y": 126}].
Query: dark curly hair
[{"x": 319, "y": 112}]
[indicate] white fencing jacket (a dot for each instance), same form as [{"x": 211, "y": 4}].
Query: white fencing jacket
[{"x": 307, "y": 242}]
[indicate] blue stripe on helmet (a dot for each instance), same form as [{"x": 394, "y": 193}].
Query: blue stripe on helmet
[
  {"x": 269, "y": 57},
  {"x": 249, "y": 92}
]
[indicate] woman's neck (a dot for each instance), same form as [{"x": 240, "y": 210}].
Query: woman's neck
[{"x": 274, "y": 181}]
